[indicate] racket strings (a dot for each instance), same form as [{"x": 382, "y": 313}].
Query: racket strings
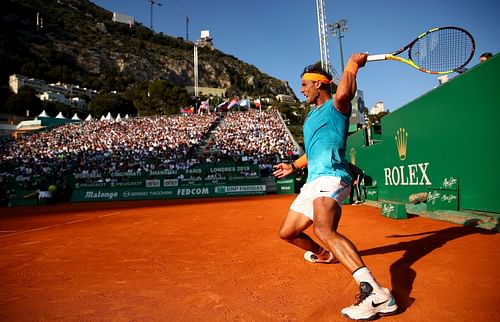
[{"x": 442, "y": 50}]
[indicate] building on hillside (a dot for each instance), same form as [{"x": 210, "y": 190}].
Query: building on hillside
[
  {"x": 377, "y": 108},
  {"x": 205, "y": 40},
  {"x": 207, "y": 91},
  {"x": 54, "y": 97},
  {"x": 284, "y": 98},
  {"x": 78, "y": 102},
  {"x": 17, "y": 81},
  {"x": 122, "y": 18},
  {"x": 71, "y": 90}
]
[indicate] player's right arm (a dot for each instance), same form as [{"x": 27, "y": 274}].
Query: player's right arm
[{"x": 346, "y": 88}]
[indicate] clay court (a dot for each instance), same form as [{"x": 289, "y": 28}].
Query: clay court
[{"x": 222, "y": 260}]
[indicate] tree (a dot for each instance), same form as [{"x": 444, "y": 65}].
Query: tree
[
  {"x": 158, "y": 97},
  {"x": 53, "y": 108},
  {"x": 176, "y": 97},
  {"x": 138, "y": 95},
  {"x": 25, "y": 100},
  {"x": 114, "y": 103},
  {"x": 5, "y": 93}
]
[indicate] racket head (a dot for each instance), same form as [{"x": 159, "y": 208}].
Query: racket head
[{"x": 441, "y": 50}]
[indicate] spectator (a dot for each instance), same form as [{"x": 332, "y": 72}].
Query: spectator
[
  {"x": 95, "y": 149},
  {"x": 357, "y": 176}
]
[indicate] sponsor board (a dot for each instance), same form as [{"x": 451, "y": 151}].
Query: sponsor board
[
  {"x": 172, "y": 192},
  {"x": 120, "y": 194},
  {"x": 442, "y": 199},
  {"x": 285, "y": 186},
  {"x": 241, "y": 190},
  {"x": 193, "y": 192},
  {"x": 170, "y": 182},
  {"x": 394, "y": 210},
  {"x": 153, "y": 183}
]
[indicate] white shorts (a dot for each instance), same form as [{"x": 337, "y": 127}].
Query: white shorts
[{"x": 331, "y": 187}]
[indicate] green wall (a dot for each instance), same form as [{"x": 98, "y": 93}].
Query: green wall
[{"x": 451, "y": 133}]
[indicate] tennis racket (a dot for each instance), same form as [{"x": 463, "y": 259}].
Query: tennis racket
[{"x": 437, "y": 51}]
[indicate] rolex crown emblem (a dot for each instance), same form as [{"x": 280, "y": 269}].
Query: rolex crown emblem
[{"x": 401, "y": 143}]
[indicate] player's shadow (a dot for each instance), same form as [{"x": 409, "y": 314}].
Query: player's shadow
[{"x": 402, "y": 274}]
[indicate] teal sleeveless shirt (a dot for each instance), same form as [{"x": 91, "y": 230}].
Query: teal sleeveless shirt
[{"x": 325, "y": 135}]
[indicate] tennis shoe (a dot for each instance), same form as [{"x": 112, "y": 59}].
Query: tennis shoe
[
  {"x": 369, "y": 304},
  {"x": 313, "y": 258}
]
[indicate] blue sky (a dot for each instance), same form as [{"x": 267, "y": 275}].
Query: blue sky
[{"x": 280, "y": 37}]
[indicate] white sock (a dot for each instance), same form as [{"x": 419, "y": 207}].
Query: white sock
[{"x": 363, "y": 274}]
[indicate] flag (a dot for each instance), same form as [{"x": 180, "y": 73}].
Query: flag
[
  {"x": 204, "y": 106},
  {"x": 222, "y": 106},
  {"x": 187, "y": 110},
  {"x": 244, "y": 103},
  {"x": 361, "y": 110},
  {"x": 257, "y": 104},
  {"x": 233, "y": 102}
]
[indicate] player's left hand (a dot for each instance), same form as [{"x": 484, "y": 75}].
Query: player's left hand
[{"x": 282, "y": 170}]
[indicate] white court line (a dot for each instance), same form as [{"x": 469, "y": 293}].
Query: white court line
[{"x": 17, "y": 232}]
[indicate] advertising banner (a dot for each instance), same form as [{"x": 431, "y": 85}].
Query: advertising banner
[{"x": 171, "y": 192}]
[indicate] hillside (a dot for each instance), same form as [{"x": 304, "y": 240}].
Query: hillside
[{"x": 80, "y": 44}]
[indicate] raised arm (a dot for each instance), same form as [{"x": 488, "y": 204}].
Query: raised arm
[{"x": 346, "y": 89}]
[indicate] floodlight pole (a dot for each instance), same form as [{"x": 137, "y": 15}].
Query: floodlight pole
[
  {"x": 337, "y": 28},
  {"x": 153, "y": 2},
  {"x": 323, "y": 42},
  {"x": 195, "y": 70}
]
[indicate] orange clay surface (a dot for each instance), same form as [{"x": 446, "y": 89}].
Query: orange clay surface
[{"x": 222, "y": 260}]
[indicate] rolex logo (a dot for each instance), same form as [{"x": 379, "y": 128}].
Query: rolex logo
[{"x": 401, "y": 143}]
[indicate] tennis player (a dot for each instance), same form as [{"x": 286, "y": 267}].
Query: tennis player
[{"x": 328, "y": 184}]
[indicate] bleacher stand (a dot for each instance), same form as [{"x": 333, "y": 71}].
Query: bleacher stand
[{"x": 142, "y": 144}]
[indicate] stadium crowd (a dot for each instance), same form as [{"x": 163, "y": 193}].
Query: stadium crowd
[
  {"x": 259, "y": 137},
  {"x": 97, "y": 148}
]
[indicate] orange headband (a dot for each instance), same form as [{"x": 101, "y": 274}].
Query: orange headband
[{"x": 316, "y": 77}]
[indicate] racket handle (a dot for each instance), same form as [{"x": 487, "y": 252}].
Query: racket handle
[{"x": 376, "y": 57}]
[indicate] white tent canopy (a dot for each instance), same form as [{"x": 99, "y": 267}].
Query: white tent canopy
[
  {"x": 60, "y": 116},
  {"x": 76, "y": 118},
  {"x": 43, "y": 114},
  {"x": 88, "y": 118},
  {"x": 109, "y": 117}
]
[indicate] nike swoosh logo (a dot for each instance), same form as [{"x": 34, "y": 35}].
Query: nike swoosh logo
[
  {"x": 324, "y": 191},
  {"x": 378, "y": 304}
]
